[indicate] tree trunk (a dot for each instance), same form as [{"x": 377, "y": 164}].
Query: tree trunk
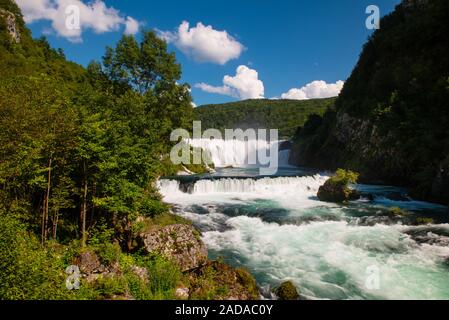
[
  {"x": 45, "y": 209},
  {"x": 55, "y": 224},
  {"x": 84, "y": 210}
]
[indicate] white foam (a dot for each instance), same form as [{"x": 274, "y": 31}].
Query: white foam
[
  {"x": 331, "y": 259},
  {"x": 238, "y": 153}
]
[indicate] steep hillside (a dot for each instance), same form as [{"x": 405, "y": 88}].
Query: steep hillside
[
  {"x": 285, "y": 115},
  {"x": 391, "y": 121}
]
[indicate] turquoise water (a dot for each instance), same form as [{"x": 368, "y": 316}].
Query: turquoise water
[{"x": 279, "y": 230}]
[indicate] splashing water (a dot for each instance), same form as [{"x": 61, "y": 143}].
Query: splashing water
[{"x": 278, "y": 229}]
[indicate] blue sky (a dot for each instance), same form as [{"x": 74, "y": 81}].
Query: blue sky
[{"x": 289, "y": 43}]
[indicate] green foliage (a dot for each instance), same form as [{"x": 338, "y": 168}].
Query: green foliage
[
  {"x": 398, "y": 211},
  {"x": 397, "y": 97},
  {"x": 164, "y": 276},
  {"x": 27, "y": 270},
  {"x": 424, "y": 221},
  {"x": 284, "y": 115},
  {"x": 80, "y": 150},
  {"x": 163, "y": 220},
  {"x": 344, "y": 177}
]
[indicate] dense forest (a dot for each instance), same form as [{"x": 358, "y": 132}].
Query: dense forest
[
  {"x": 284, "y": 115},
  {"x": 80, "y": 151},
  {"x": 391, "y": 121}
]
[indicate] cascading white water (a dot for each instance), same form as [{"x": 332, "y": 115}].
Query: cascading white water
[
  {"x": 238, "y": 153},
  {"x": 284, "y": 158},
  {"x": 302, "y": 185},
  {"x": 279, "y": 230}
]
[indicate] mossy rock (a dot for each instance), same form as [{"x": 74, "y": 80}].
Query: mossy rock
[
  {"x": 424, "y": 221},
  {"x": 334, "y": 192},
  {"x": 287, "y": 291},
  {"x": 219, "y": 281},
  {"x": 336, "y": 188}
]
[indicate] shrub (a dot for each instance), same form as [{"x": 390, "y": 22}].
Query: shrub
[{"x": 344, "y": 177}]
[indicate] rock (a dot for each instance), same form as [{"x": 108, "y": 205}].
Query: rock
[
  {"x": 88, "y": 262},
  {"x": 141, "y": 272},
  {"x": 11, "y": 24},
  {"x": 179, "y": 243},
  {"x": 331, "y": 192},
  {"x": 287, "y": 291},
  {"x": 182, "y": 292},
  {"x": 285, "y": 145},
  {"x": 219, "y": 281},
  {"x": 187, "y": 186}
]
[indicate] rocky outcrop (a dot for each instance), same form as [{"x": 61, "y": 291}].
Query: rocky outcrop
[
  {"x": 11, "y": 25},
  {"x": 287, "y": 291},
  {"x": 332, "y": 192},
  {"x": 179, "y": 243},
  {"x": 390, "y": 121}
]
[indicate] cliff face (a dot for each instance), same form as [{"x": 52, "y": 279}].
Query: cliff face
[
  {"x": 391, "y": 121},
  {"x": 10, "y": 24}
]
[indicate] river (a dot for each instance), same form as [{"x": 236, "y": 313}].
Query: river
[{"x": 278, "y": 229}]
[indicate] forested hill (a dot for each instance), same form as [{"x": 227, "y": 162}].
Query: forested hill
[
  {"x": 80, "y": 150},
  {"x": 391, "y": 120},
  {"x": 285, "y": 115}
]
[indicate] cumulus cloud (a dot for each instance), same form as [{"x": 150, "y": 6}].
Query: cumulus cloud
[
  {"x": 315, "y": 90},
  {"x": 61, "y": 13},
  {"x": 244, "y": 85},
  {"x": 131, "y": 26},
  {"x": 204, "y": 43}
]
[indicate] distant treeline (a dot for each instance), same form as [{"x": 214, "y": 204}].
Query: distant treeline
[{"x": 285, "y": 115}]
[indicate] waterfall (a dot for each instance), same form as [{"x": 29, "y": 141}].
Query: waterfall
[
  {"x": 307, "y": 185},
  {"x": 284, "y": 158},
  {"x": 238, "y": 153}
]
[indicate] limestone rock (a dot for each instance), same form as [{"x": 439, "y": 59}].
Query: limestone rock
[
  {"x": 11, "y": 24},
  {"x": 178, "y": 243}
]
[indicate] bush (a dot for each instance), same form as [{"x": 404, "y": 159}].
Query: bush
[
  {"x": 28, "y": 271},
  {"x": 344, "y": 177}
]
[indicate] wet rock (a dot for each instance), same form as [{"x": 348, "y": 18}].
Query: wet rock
[
  {"x": 179, "y": 243},
  {"x": 287, "y": 291},
  {"x": 332, "y": 192},
  {"x": 187, "y": 186}
]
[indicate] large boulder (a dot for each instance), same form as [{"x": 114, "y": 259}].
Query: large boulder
[
  {"x": 88, "y": 263},
  {"x": 335, "y": 192},
  {"x": 179, "y": 243},
  {"x": 287, "y": 291}
]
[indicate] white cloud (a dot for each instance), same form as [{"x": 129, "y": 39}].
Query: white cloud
[
  {"x": 244, "y": 85},
  {"x": 132, "y": 26},
  {"x": 204, "y": 43},
  {"x": 94, "y": 15},
  {"x": 315, "y": 90}
]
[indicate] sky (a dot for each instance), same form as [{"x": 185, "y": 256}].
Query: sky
[{"x": 229, "y": 50}]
